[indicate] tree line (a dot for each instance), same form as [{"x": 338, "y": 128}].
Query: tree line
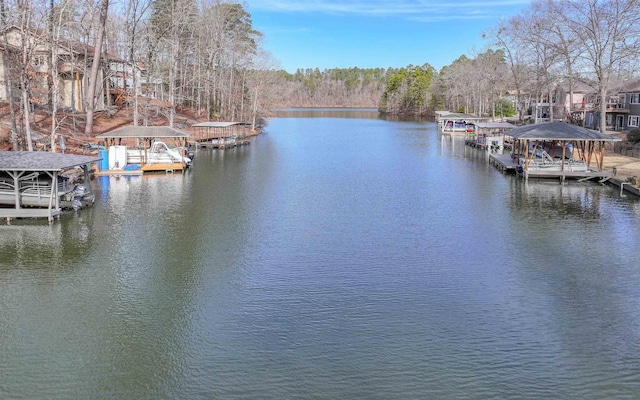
[
  {"x": 336, "y": 87},
  {"x": 207, "y": 56},
  {"x": 550, "y": 43}
]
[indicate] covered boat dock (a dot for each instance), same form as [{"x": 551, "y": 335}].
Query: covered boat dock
[
  {"x": 556, "y": 150},
  {"x": 138, "y": 141},
  {"x": 490, "y": 135},
  {"x": 457, "y": 123},
  {"x": 219, "y": 135},
  {"x": 31, "y": 184}
]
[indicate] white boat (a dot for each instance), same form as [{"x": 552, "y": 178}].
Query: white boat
[
  {"x": 222, "y": 142},
  {"x": 158, "y": 153}
]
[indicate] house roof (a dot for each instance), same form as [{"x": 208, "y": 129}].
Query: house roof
[
  {"x": 629, "y": 87},
  {"x": 144, "y": 132},
  {"x": 558, "y": 131},
  {"x": 71, "y": 45},
  {"x": 42, "y": 161}
]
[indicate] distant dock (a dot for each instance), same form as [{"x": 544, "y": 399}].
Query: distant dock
[
  {"x": 219, "y": 135},
  {"x": 222, "y": 144}
]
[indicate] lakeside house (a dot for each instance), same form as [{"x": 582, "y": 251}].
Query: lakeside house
[
  {"x": 73, "y": 64},
  {"x": 578, "y": 103}
]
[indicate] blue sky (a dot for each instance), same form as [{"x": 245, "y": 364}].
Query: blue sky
[{"x": 375, "y": 33}]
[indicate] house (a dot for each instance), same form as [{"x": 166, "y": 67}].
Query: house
[
  {"x": 580, "y": 105},
  {"x": 74, "y": 61},
  {"x": 624, "y": 113}
]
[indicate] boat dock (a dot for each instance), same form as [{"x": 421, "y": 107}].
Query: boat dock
[
  {"x": 219, "y": 135},
  {"x": 506, "y": 164},
  {"x": 222, "y": 144},
  {"x": 32, "y": 184}
]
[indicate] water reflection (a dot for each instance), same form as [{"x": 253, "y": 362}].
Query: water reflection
[
  {"x": 34, "y": 244},
  {"x": 312, "y": 112},
  {"x": 398, "y": 264},
  {"x": 549, "y": 199},
  {"x": 352, "y": 113}
]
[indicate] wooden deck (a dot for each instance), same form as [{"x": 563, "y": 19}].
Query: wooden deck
[
  {"x": 108, "y": 172},
  {"x": 163, "y": 167},
  {"x": 503, "y": 162}
]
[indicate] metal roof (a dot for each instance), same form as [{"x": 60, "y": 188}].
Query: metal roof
[
  {"x": 216, "y": 124},
  {"x": 143, "y": 132},
  {"x": 460, "y": 116},
  {"x": 495, "y": 125},
  {"x": 558, "y": 131},
  {"x": 42, "y": 161}
]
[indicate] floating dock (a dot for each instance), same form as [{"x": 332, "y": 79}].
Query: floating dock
[
  {"x": 507, "y": 164},
  {"x": 504, "y": 163}
]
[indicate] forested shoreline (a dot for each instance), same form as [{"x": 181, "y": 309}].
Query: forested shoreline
[{"x": 208, "y": 58}]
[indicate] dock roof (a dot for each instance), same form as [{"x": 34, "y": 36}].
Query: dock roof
[
  {"x": 558, "y": 131},
  {"x": 217, "y": 124},
  {"x": 42, "y": 161},
  {"x": 458, "y": 116},
  {"x": 495, "y": 125},
  {"x": 142, "y": 132}
]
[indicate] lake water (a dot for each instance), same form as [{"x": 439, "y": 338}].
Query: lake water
[{"x": 333, "y": 258}]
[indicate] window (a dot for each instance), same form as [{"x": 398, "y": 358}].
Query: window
[
  {"x": 609, "y": 119},
  {"x": 634, "y": 98},
  {"x": 633, "y": 121}
]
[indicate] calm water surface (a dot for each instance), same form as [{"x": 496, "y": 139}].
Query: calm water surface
[{"x": 333, "y": 258}]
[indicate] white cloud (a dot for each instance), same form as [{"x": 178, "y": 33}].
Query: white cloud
[{"x": 415, "y": 9}]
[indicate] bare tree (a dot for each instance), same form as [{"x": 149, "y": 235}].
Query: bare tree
[
  {"x": 609, "y": 34},
  {"x": 25, "y": 8},
  {"x": 9, "y": 76},
  {"x": 95, "y": 66},
  {"x": 136, "y": 9},
  {"x": 506, "y": 37}
]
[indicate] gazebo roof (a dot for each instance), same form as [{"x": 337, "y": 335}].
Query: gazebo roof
[
  {"x": 558, "y": 131},
  {"x": 142, "y": 132},
  {"x": 42, "y": 161}
]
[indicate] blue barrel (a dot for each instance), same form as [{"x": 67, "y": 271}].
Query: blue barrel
[{"x": 103, "y": 165}]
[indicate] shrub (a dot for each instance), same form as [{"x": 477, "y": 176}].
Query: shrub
[{"x": 633, "y": 136}]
